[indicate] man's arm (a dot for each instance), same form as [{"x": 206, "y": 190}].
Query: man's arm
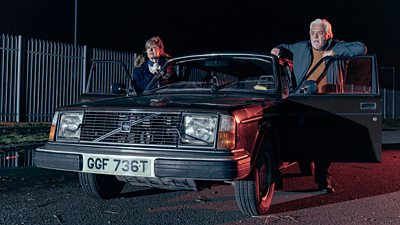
[
  {"x": 284, "y": 50},
  {"x": 349, "y": 49},
  {"x": 281, "y": 50}
]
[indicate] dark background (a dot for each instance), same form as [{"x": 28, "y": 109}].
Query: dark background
[{"x": 201, "y": 26}]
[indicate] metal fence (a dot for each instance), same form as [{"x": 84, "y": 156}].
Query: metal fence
[
  {"x": 390, "y": 105},
  {"x": 54, "y": 75},
  {"x": 37, "y": 76},
  {"x": 390, "y": 93},
  {"x": 10, "y": 58},
  {"x": 17, "y": 158}
]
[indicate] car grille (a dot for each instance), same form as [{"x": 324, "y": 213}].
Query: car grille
[{"x": 152, "y": 128}]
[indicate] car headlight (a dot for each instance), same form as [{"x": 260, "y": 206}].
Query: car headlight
[
  {"x": 70, "y": 126},
  {"x": 199, "y": 129}
]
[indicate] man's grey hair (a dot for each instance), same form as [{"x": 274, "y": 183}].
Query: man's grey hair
[{"x": 325, "y": 23}]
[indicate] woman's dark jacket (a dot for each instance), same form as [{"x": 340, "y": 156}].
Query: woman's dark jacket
[{"x": 142, "y": 74}]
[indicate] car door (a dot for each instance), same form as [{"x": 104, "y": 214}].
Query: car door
[
  {"x": 108, "y": 79},
  {"x": 340, "y": 122}
]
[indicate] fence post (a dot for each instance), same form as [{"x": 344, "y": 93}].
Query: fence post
[
  {"x": 384, "y": 103},
  {"x": 19, "y": 80},
  {"x": 394, "y": 93},
  {"x": 393, "y": 69},
  {"x": 394, "y": 105},
  {"x": 84, "y": 68}
]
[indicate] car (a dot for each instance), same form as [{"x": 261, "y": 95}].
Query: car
[{"x": 232, "y": 117}]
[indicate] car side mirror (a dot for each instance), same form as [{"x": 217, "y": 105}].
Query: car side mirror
[
  {"x": 118, "y": 88},
  {"x": 309, "y": 87}
]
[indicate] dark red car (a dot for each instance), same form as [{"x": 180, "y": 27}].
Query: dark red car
[{"x": 230, "y": 117}]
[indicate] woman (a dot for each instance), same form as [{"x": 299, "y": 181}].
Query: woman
[{"x": 147, "y": 67}]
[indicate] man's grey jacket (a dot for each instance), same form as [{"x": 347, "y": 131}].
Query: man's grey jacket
[{"x": 302, "y": 57}]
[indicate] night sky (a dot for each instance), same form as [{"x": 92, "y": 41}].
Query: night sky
[{"x": 203, "y": 26}]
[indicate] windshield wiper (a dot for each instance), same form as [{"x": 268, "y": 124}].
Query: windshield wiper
[{"x": 155, "y": 89}]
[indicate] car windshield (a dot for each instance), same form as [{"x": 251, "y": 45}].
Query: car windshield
[{"x": 223, "y": 73}]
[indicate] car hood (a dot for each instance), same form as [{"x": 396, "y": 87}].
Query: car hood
[{"x": 199, "y": 101}]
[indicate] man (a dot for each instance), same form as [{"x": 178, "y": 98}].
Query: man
[{"x": 306, "y": 54}]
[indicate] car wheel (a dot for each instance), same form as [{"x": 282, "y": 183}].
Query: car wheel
[
  {"x": 254, "y": 196},
  {"x": 101, "y": 186}
]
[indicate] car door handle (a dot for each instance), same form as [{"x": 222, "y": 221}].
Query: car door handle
[{"x": 367, "y": 105}]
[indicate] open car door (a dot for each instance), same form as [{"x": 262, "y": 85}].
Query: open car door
[
  {"x": 108, "y": 79},
  {"x": 336, "y": 115}
]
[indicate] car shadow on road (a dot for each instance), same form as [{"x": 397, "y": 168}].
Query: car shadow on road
[
  {"x": 135, "y": 191},
  {"x": 351, "y": 181}
]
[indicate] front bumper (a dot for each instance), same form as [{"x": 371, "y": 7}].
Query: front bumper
[{"x": 189, "y": 164}]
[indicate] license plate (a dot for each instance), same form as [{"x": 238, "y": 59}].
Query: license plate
[{"x": 118, "y": 165}]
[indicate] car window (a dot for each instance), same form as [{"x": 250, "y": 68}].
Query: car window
[
  {"x": 103, "y": 74},
  {"x": 341, "y": 76},
  {"x": 358, "y": 79},
  {"x": 234, "y": 73}
]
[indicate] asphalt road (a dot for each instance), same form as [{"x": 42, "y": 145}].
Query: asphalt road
[{"x": 365, "y": 194}]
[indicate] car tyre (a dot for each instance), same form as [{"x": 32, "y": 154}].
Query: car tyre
[
  {"x": 101, "y": 186},
  {"x": 254, "y": 197}
]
